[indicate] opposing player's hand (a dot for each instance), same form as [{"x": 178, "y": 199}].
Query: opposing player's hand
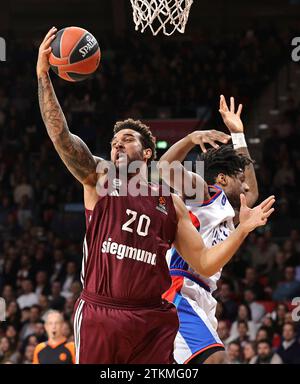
[
  {"x": 209, "y": 137},
  {"x": 43, "y": 65},
  {"x": 257, "y": 216},
  {"x": 231, "y": 119}
]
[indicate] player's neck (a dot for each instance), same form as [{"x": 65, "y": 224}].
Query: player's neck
[
  {"x": 56, "y": 340},
  {"x": 141, "y": 174},
  {"x": 142, "y": 170},
  {"x": 218, "y": 185}
]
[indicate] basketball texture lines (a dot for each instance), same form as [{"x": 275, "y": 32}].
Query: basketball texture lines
[{"x": 75, "y": 54}]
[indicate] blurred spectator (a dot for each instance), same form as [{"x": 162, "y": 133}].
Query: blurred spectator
[
  {"x": 76, "y": 289},
  {"x": 278, "y": 315},
  {"x": 291, "y": 256},
  {"x": 295, "y": 239},
  {"x": 25, "y": 315},
  {"x": 22, "y": 189},
  {"x": 8, "y": 294},
  {"x": 265, "y": 355},
  {"x": 244, "y": 315},
  {"x": 289, "y": 288},
  {"x": 24, "y": 270},
  {"x": 28, "y": 297},
  {"x": 223, "y": 330},
  {"x": 225, "y": 296},
  {"x": 39, "y": 331},
  {"x": 28, "y": 327},
  {"x": 28, "y": 356},
  {"x": 69, "y": 306},
  {"x": 7, "y": 353},
  {"x": 67, "y": 331},
  {"x": 42, "y": 283},
  {"x": 13, "y": 314},
  {"x": 31, "y": 340},
  {"x": 284, "y": 176},
  {"x": 268, "y": 322},
  {"x": 276, "y": 273},
  {"x": 12, "y": 335},
  {"x": 48, "y": 209},
  {"x": 251, "y": 282},
  {"x": 41, "y": 262},
  {"x": 242, "y": 330},
  {"x": 24, "y": 211},
  {"x": 44, "y": 305},
  {"x": 57, "y": 301},
  {"x": 249, "y": 352},
  {"x": 289, "y": 350},
  {"x": 70, "y": 277},
  {"x": 264, "y": 333},
  {"x": 257, "y": 310},
  {"x": 234, "y": 353},
  {"x": 59, "y": 265},
  {"x": 262, "y": 259}
]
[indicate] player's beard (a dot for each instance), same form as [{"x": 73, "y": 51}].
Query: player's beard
[
  {"x": 123, "y": 166},
  {"x": 234, "y": 200}
]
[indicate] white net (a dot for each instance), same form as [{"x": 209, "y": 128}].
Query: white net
[{"x": 161, "y": 15}]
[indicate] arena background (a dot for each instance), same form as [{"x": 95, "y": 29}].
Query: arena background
[{"x": 231, "y": 47}]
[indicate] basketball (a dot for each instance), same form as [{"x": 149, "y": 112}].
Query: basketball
[{"x": 75, "y": 54}]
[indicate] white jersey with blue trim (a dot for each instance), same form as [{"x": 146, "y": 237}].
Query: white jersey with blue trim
[{"x": 214, "y": 221}]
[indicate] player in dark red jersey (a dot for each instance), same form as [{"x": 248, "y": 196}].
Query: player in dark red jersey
[{"x": 120, "y": 316}]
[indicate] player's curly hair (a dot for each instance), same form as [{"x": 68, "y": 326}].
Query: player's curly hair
[
  {"x": 147, "y": 139},
  {"x": 223, "y": 160}
]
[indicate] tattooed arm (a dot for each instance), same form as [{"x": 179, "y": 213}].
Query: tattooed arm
[{"x": 71, "y": 149}]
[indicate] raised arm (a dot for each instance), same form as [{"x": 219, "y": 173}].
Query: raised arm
[
  {"x": 208, "y": 261},
  {"x": 235, "y": 125},
  {"x": 178, "y": 152},
  {"x": 71, "y": 149}
]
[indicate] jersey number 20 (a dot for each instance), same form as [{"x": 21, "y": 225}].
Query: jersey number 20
[{"x": 142, "y": 226}]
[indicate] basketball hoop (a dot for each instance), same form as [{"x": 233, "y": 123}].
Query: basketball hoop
[{"x": 165, "y": 15}]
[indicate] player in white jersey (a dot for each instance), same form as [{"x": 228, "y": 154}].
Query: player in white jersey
[{"x": 228, "y": 173}]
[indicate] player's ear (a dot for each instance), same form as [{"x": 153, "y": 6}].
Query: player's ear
[
  {"x": 147, "y": 153},
  {"x": 222, "y": 179}
]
